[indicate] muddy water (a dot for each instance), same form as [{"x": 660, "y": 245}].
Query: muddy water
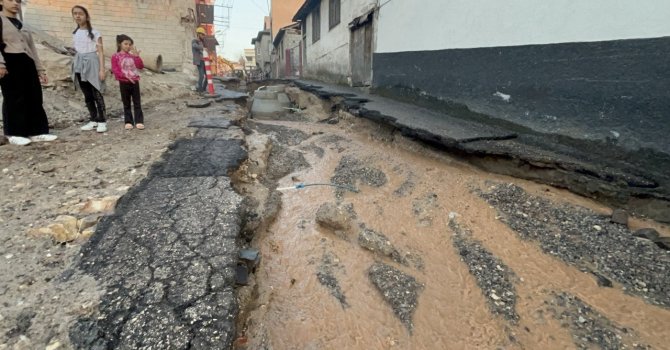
[{"x": 295, "y": 311}]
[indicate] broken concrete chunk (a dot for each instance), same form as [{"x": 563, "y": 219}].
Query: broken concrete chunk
[
  {"x": 400, "y": 290},
  {"x": 647, "y": 233},
  {"x": 251, "y": 257},
  {"x": 375, "y": 242},
  {"x": 335, "y": 217},
  {"x": 242, "y": 275},
  {"x": 620, "y": 216}
]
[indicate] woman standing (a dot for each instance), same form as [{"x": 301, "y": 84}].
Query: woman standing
[
  {"x": 88, "y": 68},
  {"x": 21, "y": 74}
]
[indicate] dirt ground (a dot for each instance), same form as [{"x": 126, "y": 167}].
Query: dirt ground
[{"x": 80, "y": 175}]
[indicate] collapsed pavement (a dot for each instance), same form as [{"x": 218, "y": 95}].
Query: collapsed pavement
[{"x": 637, "y": 180}]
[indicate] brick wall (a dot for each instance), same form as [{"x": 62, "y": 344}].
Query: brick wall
[{"x": 156, "y": 26}]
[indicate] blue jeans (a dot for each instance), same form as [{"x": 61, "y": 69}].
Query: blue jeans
[{"x": 202, "y": 79}]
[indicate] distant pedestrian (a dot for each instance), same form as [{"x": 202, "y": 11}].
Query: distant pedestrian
[
  {"x": 21, "y": 74},
  {"x": 197, "y": 47},
  {"x": 88, "y": 69},
  {"x": 126, "y": 63}
]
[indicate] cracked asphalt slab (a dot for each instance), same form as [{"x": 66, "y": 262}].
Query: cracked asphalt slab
[
  {"x": 599, "y": 169},
  {"x": 167, "y": 256}
]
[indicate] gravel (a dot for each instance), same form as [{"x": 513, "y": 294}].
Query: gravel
[
  {"x": 326, "y": 276},
  {"x": 587, "y": 240},
  {"x": 400, "y": 290},
  {"x": 351, "y": 170},
  {"x": 589, "y": 328},
  {"x": 493, "y": 277}
]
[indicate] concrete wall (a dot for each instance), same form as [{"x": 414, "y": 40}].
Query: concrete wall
[
  {"x": 328, "y": 59},
  {"x": 282, "y": 12},
  {"x": 483, "y": 23},
  {"x": 555, "y": 67},
  {"x": 156, "y": 26}
]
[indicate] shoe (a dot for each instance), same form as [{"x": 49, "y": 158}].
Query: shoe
[
  {"x": 43, "y": 138},
  {"x": 18, "y": 140},
  {"x": 128, "y": 126},
  {"x": 102, "y": 127},
  {"x": 89, "y": 126},
  {"x": 140, "y": 126}
]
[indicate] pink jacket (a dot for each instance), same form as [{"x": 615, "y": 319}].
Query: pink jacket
[{"x": 126, "y": 67}]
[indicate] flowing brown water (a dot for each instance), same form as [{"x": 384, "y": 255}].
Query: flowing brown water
[{"x": 295, "y": 311}]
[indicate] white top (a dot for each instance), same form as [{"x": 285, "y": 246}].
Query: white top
[{"x": 83, "y": 43}]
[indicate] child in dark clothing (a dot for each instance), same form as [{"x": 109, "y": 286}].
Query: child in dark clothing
[{"x": 126, "y": 63}]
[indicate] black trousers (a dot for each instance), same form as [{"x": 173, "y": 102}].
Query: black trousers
[
  {"x": 22, "y": 111},
  {"x": 131, "y": 91},
  {"x": 94, "y": 100}
]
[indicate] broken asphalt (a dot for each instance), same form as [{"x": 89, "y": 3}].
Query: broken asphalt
[
  {"x": 167, "y": 258},
  {"x": 636, "y": 180}
]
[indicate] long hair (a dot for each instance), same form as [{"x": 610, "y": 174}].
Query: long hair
[
  {"x": 88, "y": 21},
  {"x": 121, "y": 38}
]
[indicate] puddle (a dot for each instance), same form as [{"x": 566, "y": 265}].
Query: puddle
[{"x": 315, "y": 290}]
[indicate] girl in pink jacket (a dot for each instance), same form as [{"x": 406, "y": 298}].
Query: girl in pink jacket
[{"x": 126, "y": 65}]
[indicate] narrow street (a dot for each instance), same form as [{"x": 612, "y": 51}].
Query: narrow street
[{"x": 368, "y": 240}]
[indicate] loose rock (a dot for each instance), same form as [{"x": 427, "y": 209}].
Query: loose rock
[
  {"x": 647, "y": 233},
  {"x": 620, "y": 216}
]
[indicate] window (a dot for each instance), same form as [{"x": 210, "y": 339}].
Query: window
[
  {"x": 333, "y": 13},
  {"x": 316, "y": 24}
]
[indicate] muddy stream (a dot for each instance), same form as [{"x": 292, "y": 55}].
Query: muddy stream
[{"x": 423, "y": 256}]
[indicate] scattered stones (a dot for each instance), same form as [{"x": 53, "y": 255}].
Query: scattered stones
[
  {"x": 380, "y": 244},
  {"x": 65, "y": 229},
  {"x": 647, "y": 233},
  {"x": 400, "y": 290},
  {"x": 100, "y": 205},
  {"x": 492, "y": 275},
  {"x": 569, "y": 233},
  {"x": 620, "y": 216},
  {"x": 589, "y": 328},
  {"x": 326, "y": 276}
]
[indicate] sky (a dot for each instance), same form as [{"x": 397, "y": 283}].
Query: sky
[{"x": 246, "y": 20}]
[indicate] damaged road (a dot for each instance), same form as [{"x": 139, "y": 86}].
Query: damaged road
[{"x": 598, "y": 169}]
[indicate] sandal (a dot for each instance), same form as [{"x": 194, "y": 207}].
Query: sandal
[
  {"x": 140, "y": 126},
  {"x": 128, "y": 126}
]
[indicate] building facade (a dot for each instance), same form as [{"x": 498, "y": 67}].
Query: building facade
[
  {"x": 263, "y": 50},
  {"x": 163, "y": 27},
  {"x": 337, "y": 38},
  {"x": 281, "y": 14},
  {"x": 287, "y": 49}
]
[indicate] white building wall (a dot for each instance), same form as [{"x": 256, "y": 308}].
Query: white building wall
[
  {"x": 328, "y": 58},
  {"x": 450, "y": 24}
]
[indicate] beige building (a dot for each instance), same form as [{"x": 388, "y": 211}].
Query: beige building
[
  {"x": 250, "y": 59},
  {"x": 163, "y": 27},
  {"x": 281, "y": 13}
]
